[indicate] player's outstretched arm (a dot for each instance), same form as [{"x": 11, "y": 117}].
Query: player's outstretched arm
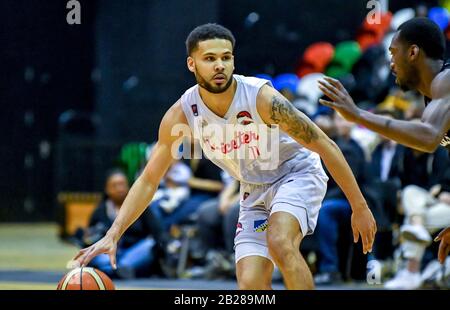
[
  {"x": 142, "y": 190},
  {"x": 424, "y": 136},
  {"x": 276, "y": 109}
]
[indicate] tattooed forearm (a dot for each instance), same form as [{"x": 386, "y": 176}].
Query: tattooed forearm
[{"x": 295, "y": 123}]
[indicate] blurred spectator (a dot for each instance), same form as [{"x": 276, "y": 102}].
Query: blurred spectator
[
  {"x": 137, "y": 247},
  {"x": 384, "y": 180},
  {"x": 205, "y": 183},
  {"x": 335, "y": 213},
  {"x": 308, "y": 94},
  {"x": 372, "y": 76},
  {"x": 174, "y": 189},
  {"x": 217, "y": 219},
  {"x": 325, "y": 123},
  {"x": 214, "y": 243},
  {"x": 425, "y": 204}
]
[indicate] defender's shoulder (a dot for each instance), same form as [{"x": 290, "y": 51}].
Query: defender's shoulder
[{"x": 440, "y": 87}]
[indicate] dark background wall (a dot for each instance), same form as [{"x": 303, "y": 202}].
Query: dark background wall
[
  {"x": 45, "y": 69},
  {"x": 122, "y": 68},
  {"x": 284, "y": 28},
  {"x": 142, "y": 60}
]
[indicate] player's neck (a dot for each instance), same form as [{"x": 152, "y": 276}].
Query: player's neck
[
  {"x": 219, "y": 103},
  {"x": 429, "y": 71}
]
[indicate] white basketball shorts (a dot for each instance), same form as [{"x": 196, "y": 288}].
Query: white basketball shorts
[{"x": 299, "y": 194}]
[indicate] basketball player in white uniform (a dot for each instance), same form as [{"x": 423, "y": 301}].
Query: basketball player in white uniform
[{"x": 236, "y": 119}]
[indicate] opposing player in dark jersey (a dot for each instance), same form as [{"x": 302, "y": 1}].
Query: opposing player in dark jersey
[{"x": 417, "y": 50}]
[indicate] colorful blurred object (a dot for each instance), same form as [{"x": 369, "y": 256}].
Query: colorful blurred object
[
  {"x": 316, "y": 58},
  {"x": 286, "y": 81},
  {"x": 132, "y": 158},
  {"x": 367, "y": 39},
  {"x": 382, "y": 27},
  {"x": 445, "y": 4},
  {"x": 395, "y": 101},
  {"x": 264, "y": 76},
  {"x": 346, "y": 54},
  {"x": 440, "y": 16}
]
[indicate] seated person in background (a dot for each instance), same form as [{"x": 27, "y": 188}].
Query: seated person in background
[
  {"x": 135, "y": 251},
  {"x": 384, "y": 180},
  {"x": 426, "y": 207},
  {"x": 217, "y": 220},
  {"x": 336, "y": 211},
  {"x": 174, "y": 188},
  {"x": 205, "y": 183}
]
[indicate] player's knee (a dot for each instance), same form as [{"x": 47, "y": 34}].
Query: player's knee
[
  {"x": 280, "y": 247},
  {"x": 252, "y": 282}
]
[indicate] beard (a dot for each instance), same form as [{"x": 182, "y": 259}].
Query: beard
[
  {"x": 411, "y": 82},
  {"x": 210, "y": 86},
  {"x": 403, "y": 86}
]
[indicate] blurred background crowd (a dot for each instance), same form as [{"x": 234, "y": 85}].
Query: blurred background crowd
[{"x": 81, "y": 104}]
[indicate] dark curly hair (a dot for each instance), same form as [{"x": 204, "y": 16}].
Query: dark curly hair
[
  {"x": 207, "y": 32},
  {"x": 424, "y": 33}
]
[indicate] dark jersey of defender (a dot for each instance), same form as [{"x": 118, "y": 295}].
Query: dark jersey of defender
[{"x": 446, "y": 141}]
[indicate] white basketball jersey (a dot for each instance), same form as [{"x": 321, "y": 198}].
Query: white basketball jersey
[{"x": 241, "y": 143}]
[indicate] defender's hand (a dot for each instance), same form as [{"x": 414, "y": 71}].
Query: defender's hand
[
  {"x": 104, "y": 245},
  {"x": 341, "y": 100},
  {"x": 364, "y": 224},
  {"x": 444, "y": 246}
]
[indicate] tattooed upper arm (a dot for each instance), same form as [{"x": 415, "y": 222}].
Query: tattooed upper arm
[{"x": 292, "y": 121}]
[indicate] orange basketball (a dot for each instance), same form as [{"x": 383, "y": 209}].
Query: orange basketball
[{"x": 85, "y": 278}]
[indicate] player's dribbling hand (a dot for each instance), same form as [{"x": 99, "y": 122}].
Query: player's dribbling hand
[
  {"x": 341, "y": 100},
  {"x": 444, "y": 246},
  {"x": 104, "y": 245},
  {"x": 364, "y": 224}
]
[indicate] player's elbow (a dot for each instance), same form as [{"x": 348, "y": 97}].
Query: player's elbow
[
  {"x": 431, "y": 145},
  {"x": 325, "y": 146},
  {"x": 330, "y": 142},
  {"x": 431, "y": 142}
]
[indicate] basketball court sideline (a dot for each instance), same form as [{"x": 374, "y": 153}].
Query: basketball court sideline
[{"x": 32, "y": 257}]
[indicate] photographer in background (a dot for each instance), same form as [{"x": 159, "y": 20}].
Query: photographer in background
[{"x": 136, "y": 250}]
